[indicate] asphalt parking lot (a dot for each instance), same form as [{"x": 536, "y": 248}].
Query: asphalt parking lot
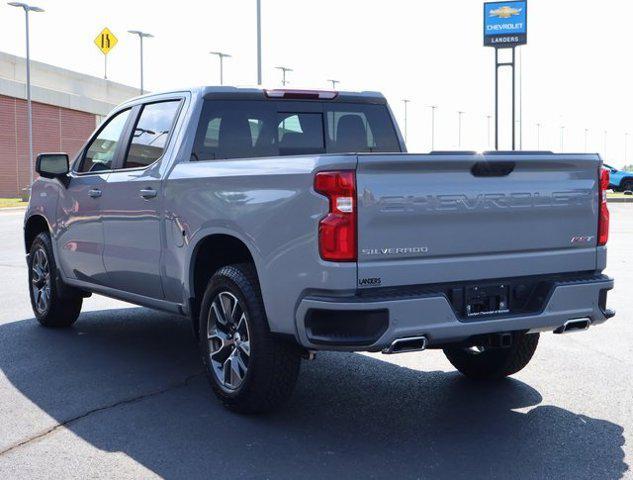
[{"x": 121, "y": 395}]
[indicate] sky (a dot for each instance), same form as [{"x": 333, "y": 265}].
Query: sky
[{"x": 577, "y": 71}]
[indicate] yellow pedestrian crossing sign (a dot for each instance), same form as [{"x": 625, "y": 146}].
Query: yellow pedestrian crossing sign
[{"x": 106, "y": 41}]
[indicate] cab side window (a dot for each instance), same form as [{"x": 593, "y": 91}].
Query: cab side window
[
  {"x": 100, "y": 152},
  {"x": 151, "y": 132}
]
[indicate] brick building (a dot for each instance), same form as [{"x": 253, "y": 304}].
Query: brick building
[{"x": 67, "y": 106}]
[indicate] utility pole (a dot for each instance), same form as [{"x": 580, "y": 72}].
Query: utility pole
[
  {"x": 221, "y": 56},
  {"x": 433, "y": 108},
  {"x": 334, "y": 82},
  {"x": 259, "y": 42},
  {"x": 406, "y": 102},
  {"x": 283, "y": 74},
  {"x": 141, "y": 36},
  {"x": 29, "y": 110},
  {"x": 489, "y": 117},
  {"x": 459, "y": 129}
]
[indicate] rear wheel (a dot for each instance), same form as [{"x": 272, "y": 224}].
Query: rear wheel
[
  {"x": 627, "y": 185},
  {"x": 484, "y": 363},
  {"x": 54, "y": 304},
  {"x": 250, "y": 370}
]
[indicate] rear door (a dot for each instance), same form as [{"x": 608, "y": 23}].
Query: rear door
[
  {"x": 443, "y": 218},
  {"x": 131, "y": 203}
]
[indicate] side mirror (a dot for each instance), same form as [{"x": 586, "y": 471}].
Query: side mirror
[{"x": 52, "y": 165}]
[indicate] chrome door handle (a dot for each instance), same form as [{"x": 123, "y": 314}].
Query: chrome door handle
[
  {"x": 94, "y": 193},
  {"x": 148, "y": 193}
]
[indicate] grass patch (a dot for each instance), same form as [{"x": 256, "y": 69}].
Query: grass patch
[{"x": 12, "y": 202}]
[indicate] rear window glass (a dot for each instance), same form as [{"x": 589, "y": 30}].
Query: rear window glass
[
  {"x": 242, "y": 129},
  {"x": 300, "y": 133}
]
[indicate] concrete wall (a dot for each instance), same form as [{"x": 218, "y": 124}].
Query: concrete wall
[
  {"x": 63, "y": 88},
  {"x": 67, "y": 106}
]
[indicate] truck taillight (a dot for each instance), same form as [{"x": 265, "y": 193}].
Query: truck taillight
[
  {"x": 337, "y": 231},
  {"x": 603, "y": 213}
]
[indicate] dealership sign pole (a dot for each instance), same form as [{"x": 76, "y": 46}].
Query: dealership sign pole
[{"x": 505, "y": 27}]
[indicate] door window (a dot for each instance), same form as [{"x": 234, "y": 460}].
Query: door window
[
  {"x": 100, "y": 153},
  {"x": 151, "y": 133}
]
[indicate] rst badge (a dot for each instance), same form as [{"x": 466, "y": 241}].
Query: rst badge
[{"x": 583, "y": 240}]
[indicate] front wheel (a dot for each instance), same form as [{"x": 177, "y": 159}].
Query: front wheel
[
  {"x": 483, "y": 363},
  {"x": 250, "y": 370},
  {"x": 54, "y": 304}
]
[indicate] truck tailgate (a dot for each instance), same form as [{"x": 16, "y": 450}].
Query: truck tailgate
[{"x": 457, "y": 217}]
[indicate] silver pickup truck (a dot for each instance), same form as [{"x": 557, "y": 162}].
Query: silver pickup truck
[{"x": 282, "y": 222}]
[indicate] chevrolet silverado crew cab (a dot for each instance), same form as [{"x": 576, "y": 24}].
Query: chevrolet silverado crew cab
[{"x": 283, "y": 222}]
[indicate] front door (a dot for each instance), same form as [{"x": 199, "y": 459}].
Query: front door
[
  {"x": 80, "y": 228},
  {"x": 131, "y": 204}
]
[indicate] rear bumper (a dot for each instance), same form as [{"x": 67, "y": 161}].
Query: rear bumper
[{"x": 432, "y": 315}]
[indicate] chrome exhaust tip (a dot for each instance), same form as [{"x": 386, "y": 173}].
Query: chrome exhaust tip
[
  {"x": 407, "y": 344},
  {"x": 574, "y": 325}
]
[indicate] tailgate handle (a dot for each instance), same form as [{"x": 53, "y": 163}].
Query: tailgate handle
[{"x": 492, "y": 169}]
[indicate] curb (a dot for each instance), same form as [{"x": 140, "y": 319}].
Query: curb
[
  {"x": 620, "y": 200},
  {"x": 12, "y": 209}
]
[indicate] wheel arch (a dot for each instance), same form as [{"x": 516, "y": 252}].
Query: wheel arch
[
  {"x": 210, "y": 253},
  {"x": 33, "y": 226},
  {"x": 623, "y": 180}
]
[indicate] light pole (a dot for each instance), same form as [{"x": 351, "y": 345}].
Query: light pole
[
  {"x": 259, "y": 42},
  {"x": 538, "y": 136},
  {"x": 586, "y": 139},
  {"x": 459, "y": 128},
  {"x": 562, "y": 138},
  {"x": 626, "y": 148},
  {"x": 27, "y": 9},
  {"x": 520, "y": 100},
  {"x": 606, "y": 135},
  {"x": 221, "y": 56},
  {"x": 433, "y": 108},
  {"x": 489, "y": 117},
  {"x": 334, "y": 82},
  {"x": 406, "y": 103},
  {"x": 141, "y": 36},
  {"x": 283, "y": 74}
]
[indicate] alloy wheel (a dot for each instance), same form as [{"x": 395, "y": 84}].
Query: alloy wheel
[
  {"x": 41, "y": 281},
  {"x": 229, "y": 340}
]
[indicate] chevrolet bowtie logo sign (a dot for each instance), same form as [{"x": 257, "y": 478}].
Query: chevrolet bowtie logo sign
[
  {"x": 505, "y": 12},
  {"x": 505, "y": 23}
]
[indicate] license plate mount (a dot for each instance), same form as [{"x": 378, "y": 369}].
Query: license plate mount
[{"x": 483, "y": 300}]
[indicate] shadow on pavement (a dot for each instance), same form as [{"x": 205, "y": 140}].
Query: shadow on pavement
[{"x": 352, "y": 416}]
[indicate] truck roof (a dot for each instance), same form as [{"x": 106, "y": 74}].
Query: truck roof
[{"x": 260, "y": 93}]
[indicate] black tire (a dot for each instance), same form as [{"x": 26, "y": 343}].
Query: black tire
[
  {"x": 627, "y": 185},
  {"x": 495, "y": 363},
  {"x": 271, "y": 367},
  {"x": 54, "y": 304}
]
